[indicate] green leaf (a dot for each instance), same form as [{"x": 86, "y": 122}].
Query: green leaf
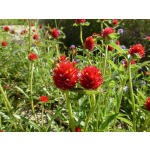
[
  {"x": 27, "y": 121},
  {"x": 81, "y": 58},
  {"x": 148, "y": 130},
  {"x": 105, "y": 124},
  {"x": 98, "y": 47},
  {"x": 112, "y": 63},
  {"x": 125, "y": 120},
  {"x": 78, "y": 97},
  {"x": 7, "y": 62},
  {"x": 112, "y": 35},
  {"x": 144, "y": 98},
  {"x": 22, "y": 91},
  {"x": 117, "y": 47},
  {"x": 54, "y": 116}
]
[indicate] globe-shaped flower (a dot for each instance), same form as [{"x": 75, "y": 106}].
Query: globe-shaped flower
[
  {"x": 13, "y": 31},
  {"x": 55, "y": 33},
  {"x": 78, "y": 21},
  {"x": 123, "y": 47},
  {"x": 35, "y": 36},
  {"x": 147, "y": 104},
  {"x": 32, "y": 56},
  {"x": 107, "y": 31},
  {"x": 89, "y": 43},
  {"x": 43, "y": 99},
  {"x": 90, "y": 78},
  {"x": 33, "y": 30},
  {"x": 78, "y": 129},
  {"x": 138, "y": 48},
  {"x": 115, "y": 22},
  {"x": 65, "y": 75},
  {"x": 40, "y": 26},
  {"x": 6, "y": 28},
  {"x": 4, "y": 43},
  {"x": 148, "y": 38},
  {"x": 110, "y": 48}
]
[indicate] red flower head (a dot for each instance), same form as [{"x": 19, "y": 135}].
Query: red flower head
[
  {"x": 55, "y": 33},
  {"x": 94, "y": 33},
  {"x": 133, "y": 62},
  {"x": 25, "y": 20},
  {"x": 99, "y": 44},
  {"x": 147, "y": 38},
  {"x": 115, "y": 22},
  {"x": 5, "y": 87},
  {"x": 65, "y": 75},
  {"x": 89, "y": 43},
  {"x": 43, "y": 99},
  {"x": 102, "y": 19},
  {"x": 63, "y": 57},
  {"x": 72, "y": 53},
  {"x": 138, "y": 48},
  {"x": 110, "y": 48},
  {"x": 33, "y": 30},
  {"x": 107, "y": 31},
  {"x": 76, "y": 52},
  {"x": 4, "y": 43},
  {"x": 35, "y": 36},
  {"x": 32, "y": 56},
  {"x": 78, "y": 21},
  {"x": 21, "y": 33},
  {"x": 13, "y": 31},
  {"x": 40, "y": 26},
  {"x": 71, "y": 48},
  {"x": 90, "y": 78},
  {"x": 25, "y": 31},
  {"x": 6, "y": 28},
  {"x": 32, "y": 24},
  {"x": 117, "y": 42},
  {"x": 74, "y": 63},
  {"x": 98, "y": 35},
  {"x": 147, "y": 104},
  {"x": 78, "y": 129},
  {"x": 1, "y": 131},
  {"x": 147, "y": 73},
  {"x": 125, "y": 63}
]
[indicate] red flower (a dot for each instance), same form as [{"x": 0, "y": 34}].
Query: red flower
[
  {"x": 76, "y": 52},
  {"x": 33, "y": 30},
  {"x": 35, "y": 36},
  {"x": 72, "y": 53},
  {"x": 107, "y": 31},
  {"x": 147, "y": 104},
  {"x": 6, "y": 28},
  {"x": 32, "y": 24},
  {"x": 125, "y": 63},
  {"x": 138, "y": 48},
  {"x": 78, "y": 21},
  {"x": 78, "y": 129},
  {"x": 98, "y": 35},
  {"x": 5, "y": 87},
  {"x": 1, "y": 131},
  {"x": 133, "y": 62},
  {"x": 50, "y": 28},
  {"x": 74, "y": 63},
  {"x": 71, "y": 48},
  {"x": 4, "y": 43},
  {"x": 21, "y": 33},
  {"x": 55, "y": 33},
  {"x": 102, "y": 19},
  {"x": 25, "y": 31},
  {"x": 13, "y": 31},
  {"x": 40, "y": 26},
  {"x": 99, "y": 44},
  {"x": 89, "y": 43},
  {"x": 63, "y": 57},
  {"x": 115, "y": 22},
  {"x": 32, "y": 56},
  {"x": 117, "y": 42},
  {"x": 65, "y": 75},
  {"x": 90, "y": 78},
  {"x": 147, "y": 73},
  {"x": 110, "y": 48},
  {"x": 94, "y": 33},
  {"x": 25, "y": 20},
  {"x": 43, "y": 99},
  {"x": 147, "y": 38},
  {"x": 36, "y": 42}
]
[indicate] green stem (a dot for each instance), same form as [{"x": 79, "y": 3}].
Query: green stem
[
  {"x": 42, "y": 114},
  {"x": 32, "y": 106},
  {"x": 81, "y": 34},
  {"x": 106, "y": 103},
  {"x": 132, "y": 97},
  {"x": 70, "y": 111},
  {"x": 105, "y": 61},
  {"x": 145, "y": 123},
  {"x": 56, "y": 23},
  {"x": 91, "y": 111},
  {"x": 29, "y": 35},
  {"x": 97, "y": 117},
  {"x": 56, "y": 50}
]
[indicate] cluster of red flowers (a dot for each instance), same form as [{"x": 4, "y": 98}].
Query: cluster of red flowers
[
  {"x": 43, "y": 99},
  {"x": 125, "y": 63},
  {"x": 147, "y": 104},
  {"x": 78, "y": 21},
  {"x": 32, "y": 56},
  {"x": 89, "y": 43},
  {"x": 107, "y": 31},
  {"x": 4, "y": 43},
  {"x": 55, "y": 33},
  {"x": 138, "y": 48}
]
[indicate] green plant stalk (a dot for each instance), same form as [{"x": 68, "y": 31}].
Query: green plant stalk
[
  {"x": 81, "y": 34},
  {"x": 31, "y": 99},
  {"x": 97, "y": 115},
  {"x": 59, "y": 107},
  {"x": 70, "y": 111},
  {"x": 106, "y": 103},
  {"x": 56, "y": 50},
  {"x": 91, "y": 111},
  {"x": 101, "y": 32},
  {"x": 145, "y": 123},
  {"x": 56, "y": 23},
  {"x": 42, "y": 115},
  {"x": 7, "y": 103},
  {"x": 29, "y": 64},
  {"x": 105, "y": 61},
  {"x": 132, "y": 97}
]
